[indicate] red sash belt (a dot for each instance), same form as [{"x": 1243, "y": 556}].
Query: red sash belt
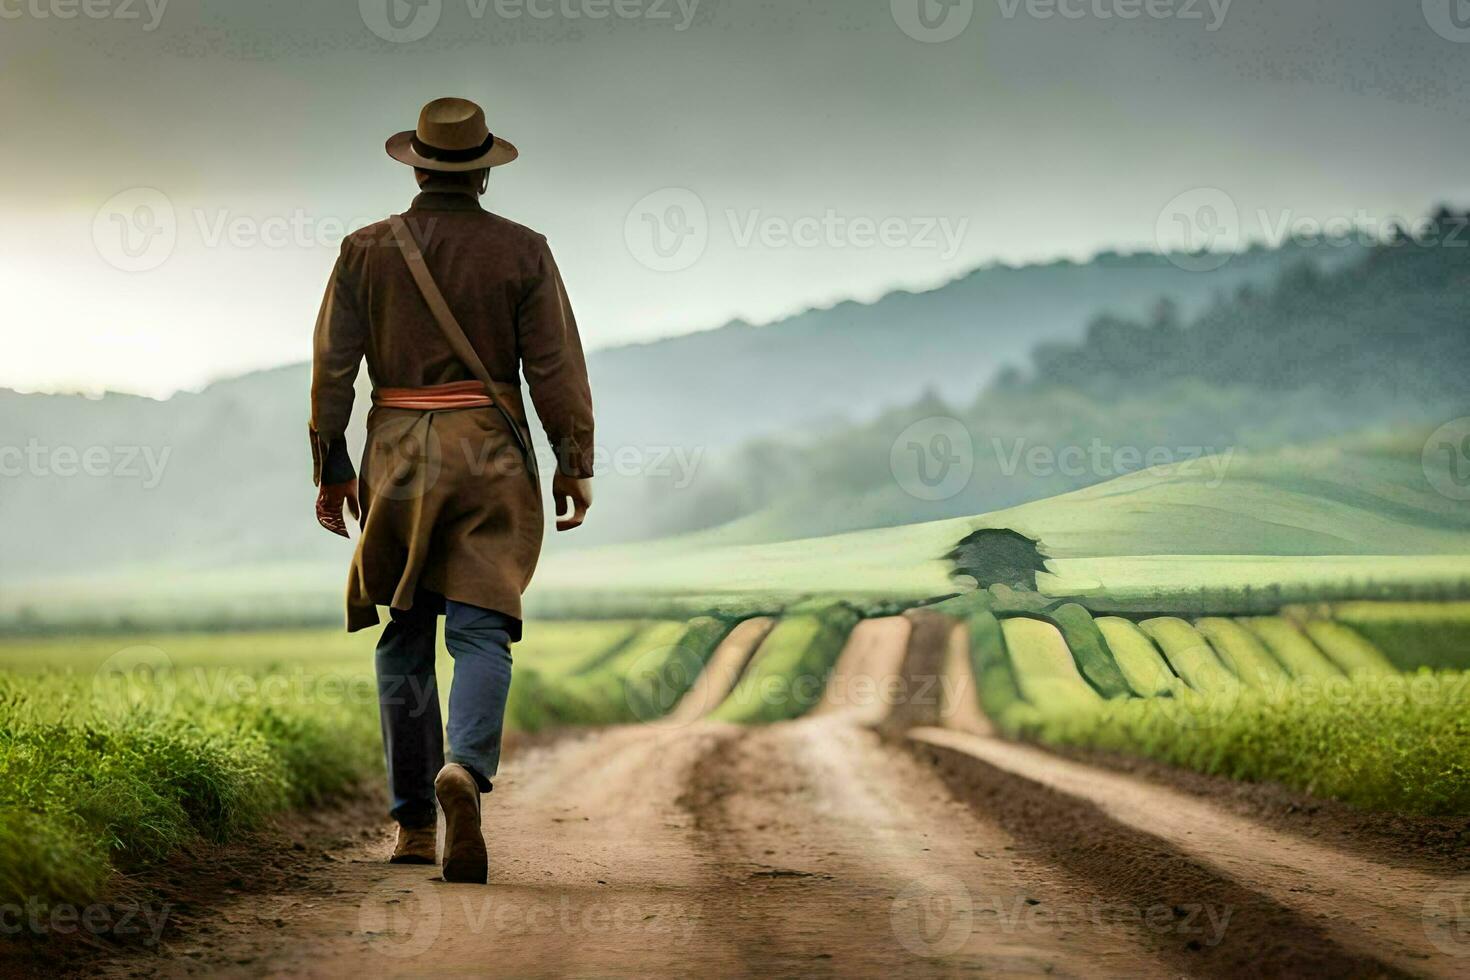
[{"x": 435, "y": 398}]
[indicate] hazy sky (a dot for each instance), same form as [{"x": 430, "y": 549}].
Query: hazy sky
[{"x": 178, "y": 173}]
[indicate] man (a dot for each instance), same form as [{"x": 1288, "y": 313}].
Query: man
[{"x": 448, "y": 304}]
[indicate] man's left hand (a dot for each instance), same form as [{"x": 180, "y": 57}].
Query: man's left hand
[{"x": 329, "y": 503}]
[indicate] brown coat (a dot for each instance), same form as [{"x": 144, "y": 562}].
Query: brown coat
[{"x": 447, "y": 502}]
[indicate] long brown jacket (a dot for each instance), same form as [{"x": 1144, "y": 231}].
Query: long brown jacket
[{"x": 448, "y": 505}]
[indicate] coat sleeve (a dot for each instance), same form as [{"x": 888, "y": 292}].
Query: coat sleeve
[
  {"x": 337, "y": 351},
  {"x": 555, "y": 367}
]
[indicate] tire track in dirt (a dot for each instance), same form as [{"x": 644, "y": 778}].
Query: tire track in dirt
[
  {"x": 1252, "y": 933},
  {"x": 849, "y": 858},
  {"x": 1380, "y": 913},
  {"x": 1376, "y": 910},
  {"x": 852, "y": 859}
]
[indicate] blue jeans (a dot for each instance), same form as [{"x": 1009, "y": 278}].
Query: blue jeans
[{"x": 408, "y": 699}]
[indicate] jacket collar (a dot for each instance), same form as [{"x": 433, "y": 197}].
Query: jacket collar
[{"x": 440, "y": 200}]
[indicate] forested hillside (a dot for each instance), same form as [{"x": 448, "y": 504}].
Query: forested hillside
[{"x": 1381, "y": 342}]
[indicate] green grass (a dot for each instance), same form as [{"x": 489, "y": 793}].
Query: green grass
[
  {"x": 1296, "y": 699},
  {"x": 319, "y": 649},
  {"x": 1346, "y": 499},
  {"x": 1245, "y": 582},
  {"x": 1347, "y": 649},
  {"x": 1045, "y": 671},
  {"x": 1291, "y": 647},
  {"x": 117, "y": 751},
  {"x": 1246, "y": 534},
  {"x": 1250, "y": 533},
  {"x": 1190, "y": 655},
  {"x": 1381, "y": 742},
  {"x": 559, "y": 648},
  {"x": 1147, "y": 672},
  {"x": 1090, "y": 649},
  {"x": 98, "y": 775},
  {"x": 1412, "y": 634},
  {"x": 1242, "y": 652},
  {"x": 789, "y": 671},
  {"x": 637, "y": 678}
]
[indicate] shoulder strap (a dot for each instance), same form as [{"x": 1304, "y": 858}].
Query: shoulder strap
[
  {"x": 443, "y": 315},
  {"x": 449, "y": 326}
]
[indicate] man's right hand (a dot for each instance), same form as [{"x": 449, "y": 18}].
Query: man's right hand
[
  {"x": 573, "y": 498},
  {"x": 329, "y": 501}
]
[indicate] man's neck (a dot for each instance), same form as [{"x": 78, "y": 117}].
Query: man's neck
[
  {"x": 433, "y": 196},
  {"x": 432, "y": 186}
]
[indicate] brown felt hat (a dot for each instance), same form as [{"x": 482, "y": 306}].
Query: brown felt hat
[{"x": 452, "y": 137}]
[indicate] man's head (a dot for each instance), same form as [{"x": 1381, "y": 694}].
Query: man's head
[
  {"x": 451, "y": 138},
  {"x": 463, "y": 181}
]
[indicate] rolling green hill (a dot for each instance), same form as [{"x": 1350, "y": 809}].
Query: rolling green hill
[
  {"x": 1343, "y": 520},
  {"x": 1347, "y": 517},
  {"x": 1339, "y": 519}
]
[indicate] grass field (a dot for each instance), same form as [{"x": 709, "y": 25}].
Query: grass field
[
  {"x": 787, "y": 674},
  {"x": 629, "y": 678},
  {"x": 1306, "y": 699},
  {"x": 115, "y": 768},
  {"x": 116, "y": 751},
  {"x": 1392, "y": 742}
]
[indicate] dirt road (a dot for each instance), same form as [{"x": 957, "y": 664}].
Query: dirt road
[{"x": 823, "y": 848}]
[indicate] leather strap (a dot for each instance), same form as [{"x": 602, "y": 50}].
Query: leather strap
[
  {"x": 454, "y": 334},
  {"x": 435, "y": 398}
]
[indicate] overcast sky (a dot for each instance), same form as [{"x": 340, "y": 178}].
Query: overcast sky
[{"x": 178, "y": 174}]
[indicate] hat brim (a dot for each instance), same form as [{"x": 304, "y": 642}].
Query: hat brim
[{"x": 400, "y": 148}]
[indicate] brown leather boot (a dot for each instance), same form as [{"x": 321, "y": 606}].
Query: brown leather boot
[
  {"x": 416, "y": 845},
  {"x": 464, "y": 840}
]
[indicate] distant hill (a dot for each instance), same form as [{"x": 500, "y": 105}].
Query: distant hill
[
  {"x": 720, "y": 387},
  {"x": 1347, "y": 518},
  {"x": 1393, "y": 321},
  {"x": 1351, "y": 513},
  {"x": 234, "y": 481},
  {"x": 1383, "y": 341},
  {"x": 1358, "y": 496}
]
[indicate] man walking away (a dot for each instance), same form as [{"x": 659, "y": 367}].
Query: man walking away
[{"x": 448, "y": 303}]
